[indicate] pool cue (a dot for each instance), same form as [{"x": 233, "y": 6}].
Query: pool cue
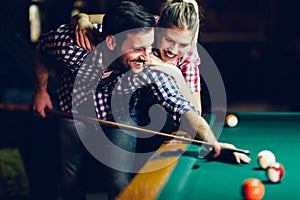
[{"x": 135, "y": 129}]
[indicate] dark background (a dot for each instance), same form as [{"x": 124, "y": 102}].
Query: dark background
[{"x": 254, "y": 43}]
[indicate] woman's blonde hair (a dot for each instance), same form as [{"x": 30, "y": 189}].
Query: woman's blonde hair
[{"x": 184, "y": 14}]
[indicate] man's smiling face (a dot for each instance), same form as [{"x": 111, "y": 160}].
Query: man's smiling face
[{"x": 135, "y": 50}]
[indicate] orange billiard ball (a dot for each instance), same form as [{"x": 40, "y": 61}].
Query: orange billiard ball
[
  {"x": 253, "y": 189},
  {"x": 231, "y": 120}
]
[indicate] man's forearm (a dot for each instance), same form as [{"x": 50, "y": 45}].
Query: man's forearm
[
  {"x": 196, "y": 125},
  {"x": 197, "y": 96},
  {"x": 41, "y": 72},
  {"x": 183, "y": 88}
]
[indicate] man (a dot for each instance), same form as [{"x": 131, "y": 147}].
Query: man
[{"x": 123, "y": 16}]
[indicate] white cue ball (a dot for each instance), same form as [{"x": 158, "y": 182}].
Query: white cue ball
[
  {"x": 265, "y": 159},
  {"x": 231, "y": 120}
]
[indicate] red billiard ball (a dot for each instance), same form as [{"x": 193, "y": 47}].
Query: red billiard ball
[
  {"x": 275, "y": 172},
  {"x": 231, "y": 120},
  {"x": 253, "y": 189}
]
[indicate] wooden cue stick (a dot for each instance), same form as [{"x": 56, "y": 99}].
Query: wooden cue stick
[{"x": 136, "y": 129}]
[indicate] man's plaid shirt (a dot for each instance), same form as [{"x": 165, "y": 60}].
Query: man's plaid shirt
[
  {"x": 60, "y": 44},
  {"x": 118, "y": 84}
]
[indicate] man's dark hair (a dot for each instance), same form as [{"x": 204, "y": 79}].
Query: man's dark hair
[{"x": 124, "y": 16}]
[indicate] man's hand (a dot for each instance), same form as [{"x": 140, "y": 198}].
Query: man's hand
[
  {"x": 217, "y": 149},
  {"x": 239, "y": 157},
  {"x": 41, "y": 100}
]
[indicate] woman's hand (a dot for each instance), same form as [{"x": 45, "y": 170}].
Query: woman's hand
[
  {"x": 157, "y": 64},
  {"x": 84, "y": 31},
  {"x": 84, "y": 38}
]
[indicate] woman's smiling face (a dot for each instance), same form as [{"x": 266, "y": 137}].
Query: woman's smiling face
[{"x": 173, "y": 43}]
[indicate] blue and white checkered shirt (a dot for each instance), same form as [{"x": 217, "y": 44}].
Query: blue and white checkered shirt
[
  {"x": 119, "y": 84},
  {"x": 61, "y": 45}
]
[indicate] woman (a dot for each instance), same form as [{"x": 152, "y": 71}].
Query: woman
[{"x": 176, "y": 43}]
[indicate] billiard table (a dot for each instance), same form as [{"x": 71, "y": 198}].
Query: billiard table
[{"x": 189, "y": 176}]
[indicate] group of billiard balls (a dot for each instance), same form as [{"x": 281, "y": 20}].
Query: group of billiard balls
[{"x": 253, "y": 188}]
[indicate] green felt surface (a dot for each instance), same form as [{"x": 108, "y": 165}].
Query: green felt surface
[{"x": 200, "y": 178}]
